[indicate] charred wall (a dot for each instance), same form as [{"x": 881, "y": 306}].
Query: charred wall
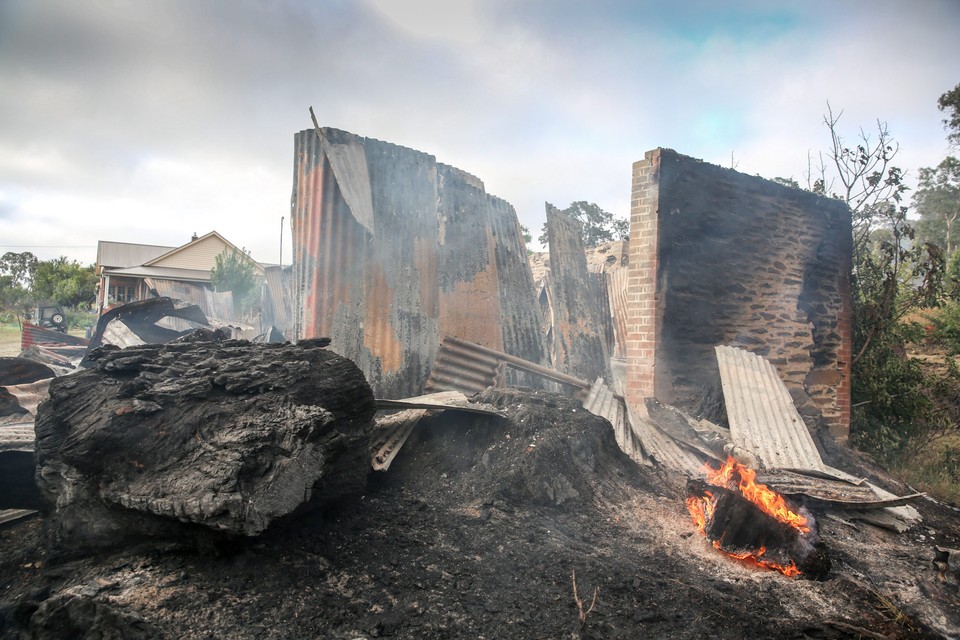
[
  {"x": 393, "y": 251},
  {"x": 723, "y": 258},
  {"x": 579, "y": 319}
]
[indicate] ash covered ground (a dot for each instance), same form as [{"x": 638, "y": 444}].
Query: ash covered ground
[{"x": 475, "y": 532}]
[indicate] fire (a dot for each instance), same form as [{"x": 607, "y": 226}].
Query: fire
[
  {"x": 769, "y": 501},
  {"x": 737, "y": 477}
]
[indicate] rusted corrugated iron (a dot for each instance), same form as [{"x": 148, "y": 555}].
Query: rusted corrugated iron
[
  {"x": 31, "y": 335},
  {"x": 467, "y": 268},
  {"x": 577, "y": 333},
  {"x": 375, "y": 297},
  {"x": 469, "y": 368},
  {"x": 461, "y": 367},
  {"x": 426, "y": 262}
]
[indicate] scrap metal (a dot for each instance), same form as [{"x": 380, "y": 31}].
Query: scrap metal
[
  {"x": 393, "y": 249},
  {"x": 470, "y": 368},
  {"x": 136, "y": 323},
  {"x": 579, "y": 342}
]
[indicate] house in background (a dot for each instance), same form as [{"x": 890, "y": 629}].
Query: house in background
[{"x": 129, "y": 272}]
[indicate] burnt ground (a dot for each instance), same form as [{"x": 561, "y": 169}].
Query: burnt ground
[{"x": 475, "y": 532}]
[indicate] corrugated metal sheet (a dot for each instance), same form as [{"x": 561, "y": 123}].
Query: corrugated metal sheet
[
  {"x": 521, "y": 319},
  {"x": 376, "y": 297},
  {"x": 761, "y": 413},
  {"x": 617, "y": 288},
  {"x": 601, "y": 401},
  {"x": 219, "y": 305},
  {"x": 462, "y": 368},
  {"x": 468, "y": 367},
  {"x": 11, "y": 516},
  {"x": 662, "y": 447},
  {"x": 604, "y": 317},
  {"x": 577, "y": 332},
  {"x": 432, "y": 266},
  {"x": 763, "y": 420},
  {"x": 467, "y": 268},
  {"x": 31, "y": 335},
  {"x": 439, "y": 401},
  {"x": 17, "y": 436},
  {"x": 393, "y": 431},
  {"x": 276, "y": 301},
  {"x": 178, "y": 290},
  {"x": 348, "y": 160}
]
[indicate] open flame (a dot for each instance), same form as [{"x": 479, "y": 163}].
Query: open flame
[{"x": 737, "y": 477}]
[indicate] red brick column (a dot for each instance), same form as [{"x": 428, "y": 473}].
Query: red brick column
[
  {"x": 641, "y": 283},
  {"x": 840, "y": 427}
]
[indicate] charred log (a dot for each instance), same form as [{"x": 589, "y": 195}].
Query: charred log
[
  {"x": 227, "y": 435},
  {"x": 740, "y": 528}
]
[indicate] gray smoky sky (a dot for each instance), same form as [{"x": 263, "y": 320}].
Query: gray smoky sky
[{"x": 148, "y": 121}]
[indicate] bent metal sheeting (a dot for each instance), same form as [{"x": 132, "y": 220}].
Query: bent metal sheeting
[{"x": 434, "y": 255}]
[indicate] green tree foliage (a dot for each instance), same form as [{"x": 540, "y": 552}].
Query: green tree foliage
[
  {"x": 20, "y": 266},
  {"x": 896, "y": 409},
  {"x": 937, "y": 200},
  {"x": 64, "y": 282},
  {"x": 949, "y": 102},
  {"x": 16, "y": 275},
  {"x": 525, "y": 232},
  {"x": 234, "y": 271},
  {"x": 599, "y": 226}
]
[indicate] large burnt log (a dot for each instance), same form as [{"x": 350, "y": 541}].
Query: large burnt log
[
  {"x": 740, "y": 528},
  {"x": 228, "y": 435}
]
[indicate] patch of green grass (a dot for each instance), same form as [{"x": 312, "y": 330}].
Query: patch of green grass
[{"x": 935, "y": 470}]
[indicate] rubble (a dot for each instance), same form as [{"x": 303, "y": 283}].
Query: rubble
[
  {"x": 474, "y": 531},
  {"x": 228, "y": 435}
]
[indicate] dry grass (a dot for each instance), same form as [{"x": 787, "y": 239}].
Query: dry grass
[{"x": 9, "y": 339}]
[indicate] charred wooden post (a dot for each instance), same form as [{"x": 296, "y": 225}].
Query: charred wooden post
[
  {"x": 228, "y": 435},
  {"x": 741, "y": 529}
]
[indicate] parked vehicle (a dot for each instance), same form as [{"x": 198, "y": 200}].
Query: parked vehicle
[{"x": 52, "y": 317}]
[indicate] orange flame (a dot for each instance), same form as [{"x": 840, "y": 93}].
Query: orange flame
[
  {"x": 769, "y": 501},
  {"x": 701, "y": 509}
]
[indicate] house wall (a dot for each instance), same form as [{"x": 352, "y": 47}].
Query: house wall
[
  {"x": 722, "y": 258},
  {"x": 199, "y": 254}
]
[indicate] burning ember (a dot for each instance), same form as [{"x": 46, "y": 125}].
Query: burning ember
[{"x": 750, "y": 522}]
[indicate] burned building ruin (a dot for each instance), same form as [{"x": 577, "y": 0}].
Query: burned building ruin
[
  {"x": 393, "y": 251},
  {"x": 722, "y": 258}
]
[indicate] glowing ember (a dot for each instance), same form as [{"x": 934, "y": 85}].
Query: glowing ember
[{"x": 737, "y": 477}]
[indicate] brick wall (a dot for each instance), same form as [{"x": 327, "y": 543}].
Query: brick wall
[
  {"x": 641, "y": 289},
  {"x": 719, "y": 257}
]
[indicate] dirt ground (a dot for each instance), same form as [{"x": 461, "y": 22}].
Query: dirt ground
[{"x": 475, "y": 532}]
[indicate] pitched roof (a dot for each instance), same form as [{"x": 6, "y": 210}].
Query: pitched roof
[
  {"x": 127, "y": 254},
  {"x": 187, "y": 255}
]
